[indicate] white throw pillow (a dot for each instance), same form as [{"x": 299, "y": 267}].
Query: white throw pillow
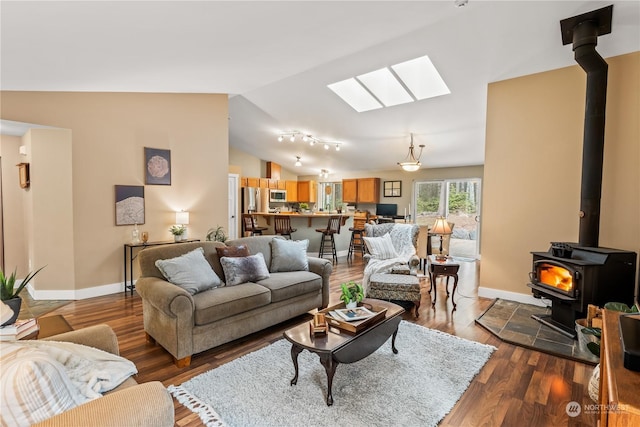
[
  {"x": 244, "y": 269},
  {"x": 190, "y": 271},
  {"x": 381, "y": 247},
  {"x": 34, "y": 386},
  {"x": 289, "y": 255}
]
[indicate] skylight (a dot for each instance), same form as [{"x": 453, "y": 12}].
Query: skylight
[
  {"x": 408, "y": 81},
  {"x": 383, "y": 84},
  {"x": 354, "y": 94},
  {"x": 421, "y": 77}
]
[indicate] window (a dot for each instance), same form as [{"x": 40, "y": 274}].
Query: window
[{"x": 329, "y": 196}]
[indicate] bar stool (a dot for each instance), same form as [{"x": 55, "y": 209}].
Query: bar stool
[
  {"x": 333, "y": 227},
  {"x": 250, "y": 225},
  {"x": 357, "y": 234},
  {"x": 282, "y": 225}
]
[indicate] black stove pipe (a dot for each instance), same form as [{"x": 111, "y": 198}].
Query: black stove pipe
[{"x": 585, "y": 30}]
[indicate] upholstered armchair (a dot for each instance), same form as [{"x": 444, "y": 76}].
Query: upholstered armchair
[
  {"x": 404, "y": 238},
  {"x": 392, "y": 249}
]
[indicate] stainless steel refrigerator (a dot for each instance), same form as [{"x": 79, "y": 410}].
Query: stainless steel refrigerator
[{"x": 255, "y": 199}]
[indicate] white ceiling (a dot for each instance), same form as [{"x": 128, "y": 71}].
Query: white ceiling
[{"x": 276, "y": 58}]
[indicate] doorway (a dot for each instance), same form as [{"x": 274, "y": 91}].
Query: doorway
[
  {"x": 232, "y": 226},
  {"x": 457, "y": 200}
]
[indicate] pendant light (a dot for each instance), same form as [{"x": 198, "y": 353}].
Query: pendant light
[{"x": 412, "y": 163}]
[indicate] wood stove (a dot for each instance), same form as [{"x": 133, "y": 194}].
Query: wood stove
[
  {"x": 588, "y": 276},
  {"x": 585, "y": 273}
]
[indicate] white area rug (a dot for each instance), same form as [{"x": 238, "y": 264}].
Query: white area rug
[{"x": 417, "y": 386}]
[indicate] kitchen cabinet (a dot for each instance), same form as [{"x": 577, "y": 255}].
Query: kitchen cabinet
[
  {"x": 281, "y": 184},
  {"x": 292, "y": 191},
  {"x": 252, "y": 182},
  {"x": 307, "y": 191},
  {"x": 274, "y": 170},
  {"x": 350, "y": 190},
  {"x": 263, "y": 182},
  {"x": 368, "y": 190}
]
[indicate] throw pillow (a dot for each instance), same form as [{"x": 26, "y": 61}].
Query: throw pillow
[
  {"x": 289, "y": 255},
  {"x": 34, "y": 386},
  {"x": 244, "y": 269},
  {"x": 190, "y": 271},
  {"x": 381, "y": 247},
  {"x": 233, "y": 251}
]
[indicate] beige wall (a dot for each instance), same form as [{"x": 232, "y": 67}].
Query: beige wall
[
  {"x": 532, "y": 168},
  {"x": 250, "y": 166},
  {"x": 110, "y": 131}
]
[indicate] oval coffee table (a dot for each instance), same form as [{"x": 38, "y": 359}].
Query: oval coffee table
[{"x": 338, "y": 346}]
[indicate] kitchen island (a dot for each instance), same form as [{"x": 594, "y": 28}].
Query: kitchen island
[{"x": 306, "y": 225}]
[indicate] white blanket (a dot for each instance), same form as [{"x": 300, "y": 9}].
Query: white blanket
[
  {"x": 91, "y": 370},
  {"x": 402, "y": 238}
]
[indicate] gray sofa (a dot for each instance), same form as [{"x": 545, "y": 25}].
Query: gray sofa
[{"x": 186, "y": 324}]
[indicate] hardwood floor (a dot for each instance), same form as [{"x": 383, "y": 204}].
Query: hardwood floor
[{"x": 517, "y": 386}]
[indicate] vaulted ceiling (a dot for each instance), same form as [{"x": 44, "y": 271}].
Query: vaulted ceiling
[{"x": 275, "y": 60}]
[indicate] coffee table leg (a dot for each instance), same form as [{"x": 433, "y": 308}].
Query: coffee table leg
[
  {"x": 330, "y": 366},
  {"x": 393, "y": 342},
  {"x": 295, "y": 351}
]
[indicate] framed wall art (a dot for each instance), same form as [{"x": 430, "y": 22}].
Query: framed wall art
[
  {"x": 393, "y": 189},
  {"x": 157, "y": 166},
  {"x": 129, "y": 204}
]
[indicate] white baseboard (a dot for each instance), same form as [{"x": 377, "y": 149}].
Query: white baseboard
[
  {"x": 75, "y": 294},
  {"x": 511, "y": 296}
]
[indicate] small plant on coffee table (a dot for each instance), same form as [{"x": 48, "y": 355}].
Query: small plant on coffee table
[{"x": 351, "y": 291}]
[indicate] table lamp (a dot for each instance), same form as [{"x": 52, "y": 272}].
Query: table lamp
[
  {"x": 441, "y": 228},
  {"x": 182, "y": 218}
]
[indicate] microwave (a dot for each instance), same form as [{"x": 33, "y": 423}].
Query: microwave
[{"x": 277, "y": 196}]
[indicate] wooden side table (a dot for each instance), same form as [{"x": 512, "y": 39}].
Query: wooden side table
[{"x": 446, "y": 268}]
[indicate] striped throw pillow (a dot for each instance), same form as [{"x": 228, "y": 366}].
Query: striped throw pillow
[
  {"x": 381, "y": 247},
  {"x": 34, "y": 386}
]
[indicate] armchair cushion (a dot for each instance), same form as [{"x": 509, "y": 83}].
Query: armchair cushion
[
  {"x": 190, "y": 271},
  {"x": 34, "y": 386},
  {"x": 381, "y": 247}
]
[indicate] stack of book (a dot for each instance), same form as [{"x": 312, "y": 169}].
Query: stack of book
[{"x": 20, "y": 329}]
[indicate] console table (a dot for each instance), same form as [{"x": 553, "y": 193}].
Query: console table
[{"x": 129, "y": 257}]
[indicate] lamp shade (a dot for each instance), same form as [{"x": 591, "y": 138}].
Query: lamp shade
[
  {"x": 441, "y": 226},
  {"x": 182, "y": 218}
]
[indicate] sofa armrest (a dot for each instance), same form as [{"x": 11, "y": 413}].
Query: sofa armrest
[
  {"x": 164, "y": 296},
  {"x": 323, "y": 268},
  {"x": 148, "y": 404},
  {"x": 99, "y": 336}
]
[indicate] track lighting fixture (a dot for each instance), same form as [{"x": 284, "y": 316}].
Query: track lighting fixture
[{"x": 305, "y": 137}]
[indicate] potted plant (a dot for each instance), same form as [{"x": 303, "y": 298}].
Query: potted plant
[
  {"x": 10, "y": 296},
  {"x": 178, "y": 232},
  {"x": 217, "y": 234},
  {"x": 352, "y": 294},
  {"x": 304, "y": 207}
]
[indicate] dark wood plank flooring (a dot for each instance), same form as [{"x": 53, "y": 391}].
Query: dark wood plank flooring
[{"x": 516, "y": 387}]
